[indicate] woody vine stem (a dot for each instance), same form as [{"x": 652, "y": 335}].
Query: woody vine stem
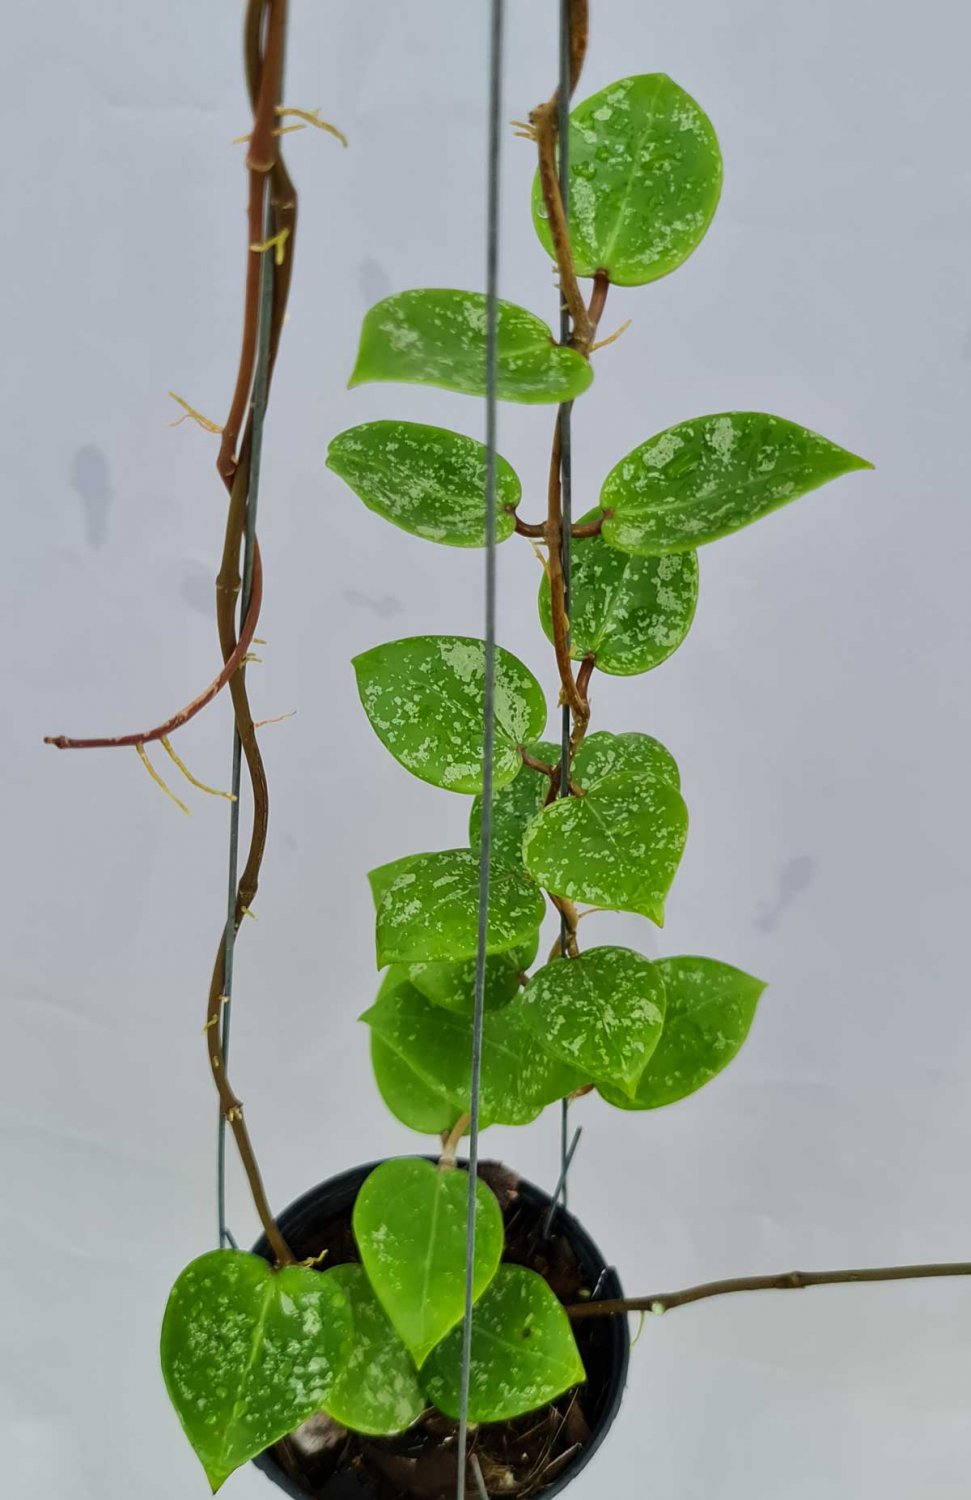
[{"x": 271, "y": 232}]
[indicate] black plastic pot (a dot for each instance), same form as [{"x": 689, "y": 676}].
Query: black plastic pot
[{"x": 606, "y": 1341}]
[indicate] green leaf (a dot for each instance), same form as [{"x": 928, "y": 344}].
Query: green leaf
[
  {"x": 409, "y": 1223},
  {"x": 523, "y": 1352},
  {"x": 619, "y": 845},
  {"x": 645, "y": 178},
  {"x": 711, "y": 476},
  {"x": 520, "y": 1076},
  {"x": 603, "y": 754},
  {"x": 382, "y": 877},
  {"x": 628, "y": 613},
  {"x": 602, "y": 1013},
  {"x": 430, "y": 910},
  {"x": 249, "y": 1353},
  {"x": 514, "y": 806},
  {"x": 410, "y": 1098},
  {"x": 709, "y": 1011},
  {"x": 438, "y": 337},
  {"x": 452, "y": 986},
  {"x": 377, "y": 1391},
  {"x": 424, "y": 698},
  {"x": 427, "y": 480}
]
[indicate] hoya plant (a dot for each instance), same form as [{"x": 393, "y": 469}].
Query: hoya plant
[
  {"x": 368, "y": 1329},
  {"x": 251, "y": 1351}
]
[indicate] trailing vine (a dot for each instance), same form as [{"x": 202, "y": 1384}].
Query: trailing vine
[{"x": 252, "y": 1348}]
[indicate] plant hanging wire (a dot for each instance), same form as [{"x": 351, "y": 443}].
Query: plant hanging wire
[{"x": 488, "y": 709}]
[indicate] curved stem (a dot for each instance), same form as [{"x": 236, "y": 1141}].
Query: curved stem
[
  {"x": 545, "y": 121},
  {"x": 554, "y": 539},
  {"x": 265, "y": 84},
  {"x": 264, "y": 72},
  {"x": 162, "y": 731},
  {"x": 785, "y": 1281},
  {"x": 530, "y": 528}
]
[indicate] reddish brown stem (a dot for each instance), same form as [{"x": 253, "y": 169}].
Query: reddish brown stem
[
  {"x": 545, "y": 122},
  {"x": 530, "y": 528},
  {"x": 264, "y": 157},
  {"x": 785, "y": 1282},
  {"x": 538, "y": 765},
  {"x": 232, "y": 664},
  {"x": 558, "y": 615},
  {"x": 261, "y": 159},
  {"x": 598, "y": 298}
]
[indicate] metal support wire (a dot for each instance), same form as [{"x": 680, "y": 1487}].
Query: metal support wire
[
  {"x": 564, "y": 417},
  {"x": 488, "y": 728},
  {"x": 261, "y": 382}
]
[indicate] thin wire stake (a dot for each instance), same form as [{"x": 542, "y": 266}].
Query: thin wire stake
[
  {"x": 261, "y": 381},
  {"x": 480, "y": 1483},
  {"x": 561, "y": 1184},
  {"x": 564, "y": 417},
  {"x": 488, "y": 728}
]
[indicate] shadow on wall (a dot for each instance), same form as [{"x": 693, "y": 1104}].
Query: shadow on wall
[
  {"x": 795, "y": 878},
  {"x": 89, "y": 481}
]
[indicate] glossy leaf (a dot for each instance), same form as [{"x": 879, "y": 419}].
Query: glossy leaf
[
  {"x": 410, "y": 1098},
  {"x": 619, "y": 845},
  {"x": 429, "y": 910},
  {"x": 427, "y": 480},
  {"x": 377, "y": 1390},
  {"x": 603, "y": 754},
  {"x": 409, "y": 1222},
  {"x": 382, "y": 877},
  {"x": 424, "y": 698},
  {"x": 520, "y": 1076},
  {"x": 438, "y": 337},
  {"x": 602, "y": 1013},
  {"x": 628, "y": 613},
  {"x": 645, "y": 178},
  {"x": 710, "y": 1007},
  {"x": 711, "y": 476},
  {"x": 523, "y": 1352},
  {"x": 452, "y": 986},
  {"x": 514, "y": 806},
  {"x": 249, "y": 1353}
]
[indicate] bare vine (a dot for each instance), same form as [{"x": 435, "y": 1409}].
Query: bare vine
[
  {"x": 271, "y": 198},
  {"x": 785, "y": 1281}
]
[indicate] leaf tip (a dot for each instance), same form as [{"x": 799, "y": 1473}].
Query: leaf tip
[{"x": 358, "y": 375}]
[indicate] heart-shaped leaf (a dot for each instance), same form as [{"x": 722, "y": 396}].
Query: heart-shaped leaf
[
  {"x": 645, "y": 178},
  {"x": 519, "y": 1076},
  {"x": 602, "y": 1013},
  {"x": 377, "y": 1391},
  {"x": 424, "y": 697},
  {"x": 619, "y": 845},
  {"x": 523, "y": 1352},
  {"x": 628, "y": 613},
  {"x": 452, "y": 986},
  {"x": 603, "y": 754},
  {"x": 409, "y": 1222},
  {"x": 430, "y": 910},
  {"x": 438, "y": 337},
  {"x": 711, "y": 476},
  {"x": 513, "y": 806},
  {"x": 411, "y": 1099},
  {"x": 427, "y": 480},
  {"x": 710, "y": 1007},
  {"x": 248, "y": 1353}
]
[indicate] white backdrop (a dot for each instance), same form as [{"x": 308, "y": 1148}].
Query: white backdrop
[{"x": 819, "y": 709}]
